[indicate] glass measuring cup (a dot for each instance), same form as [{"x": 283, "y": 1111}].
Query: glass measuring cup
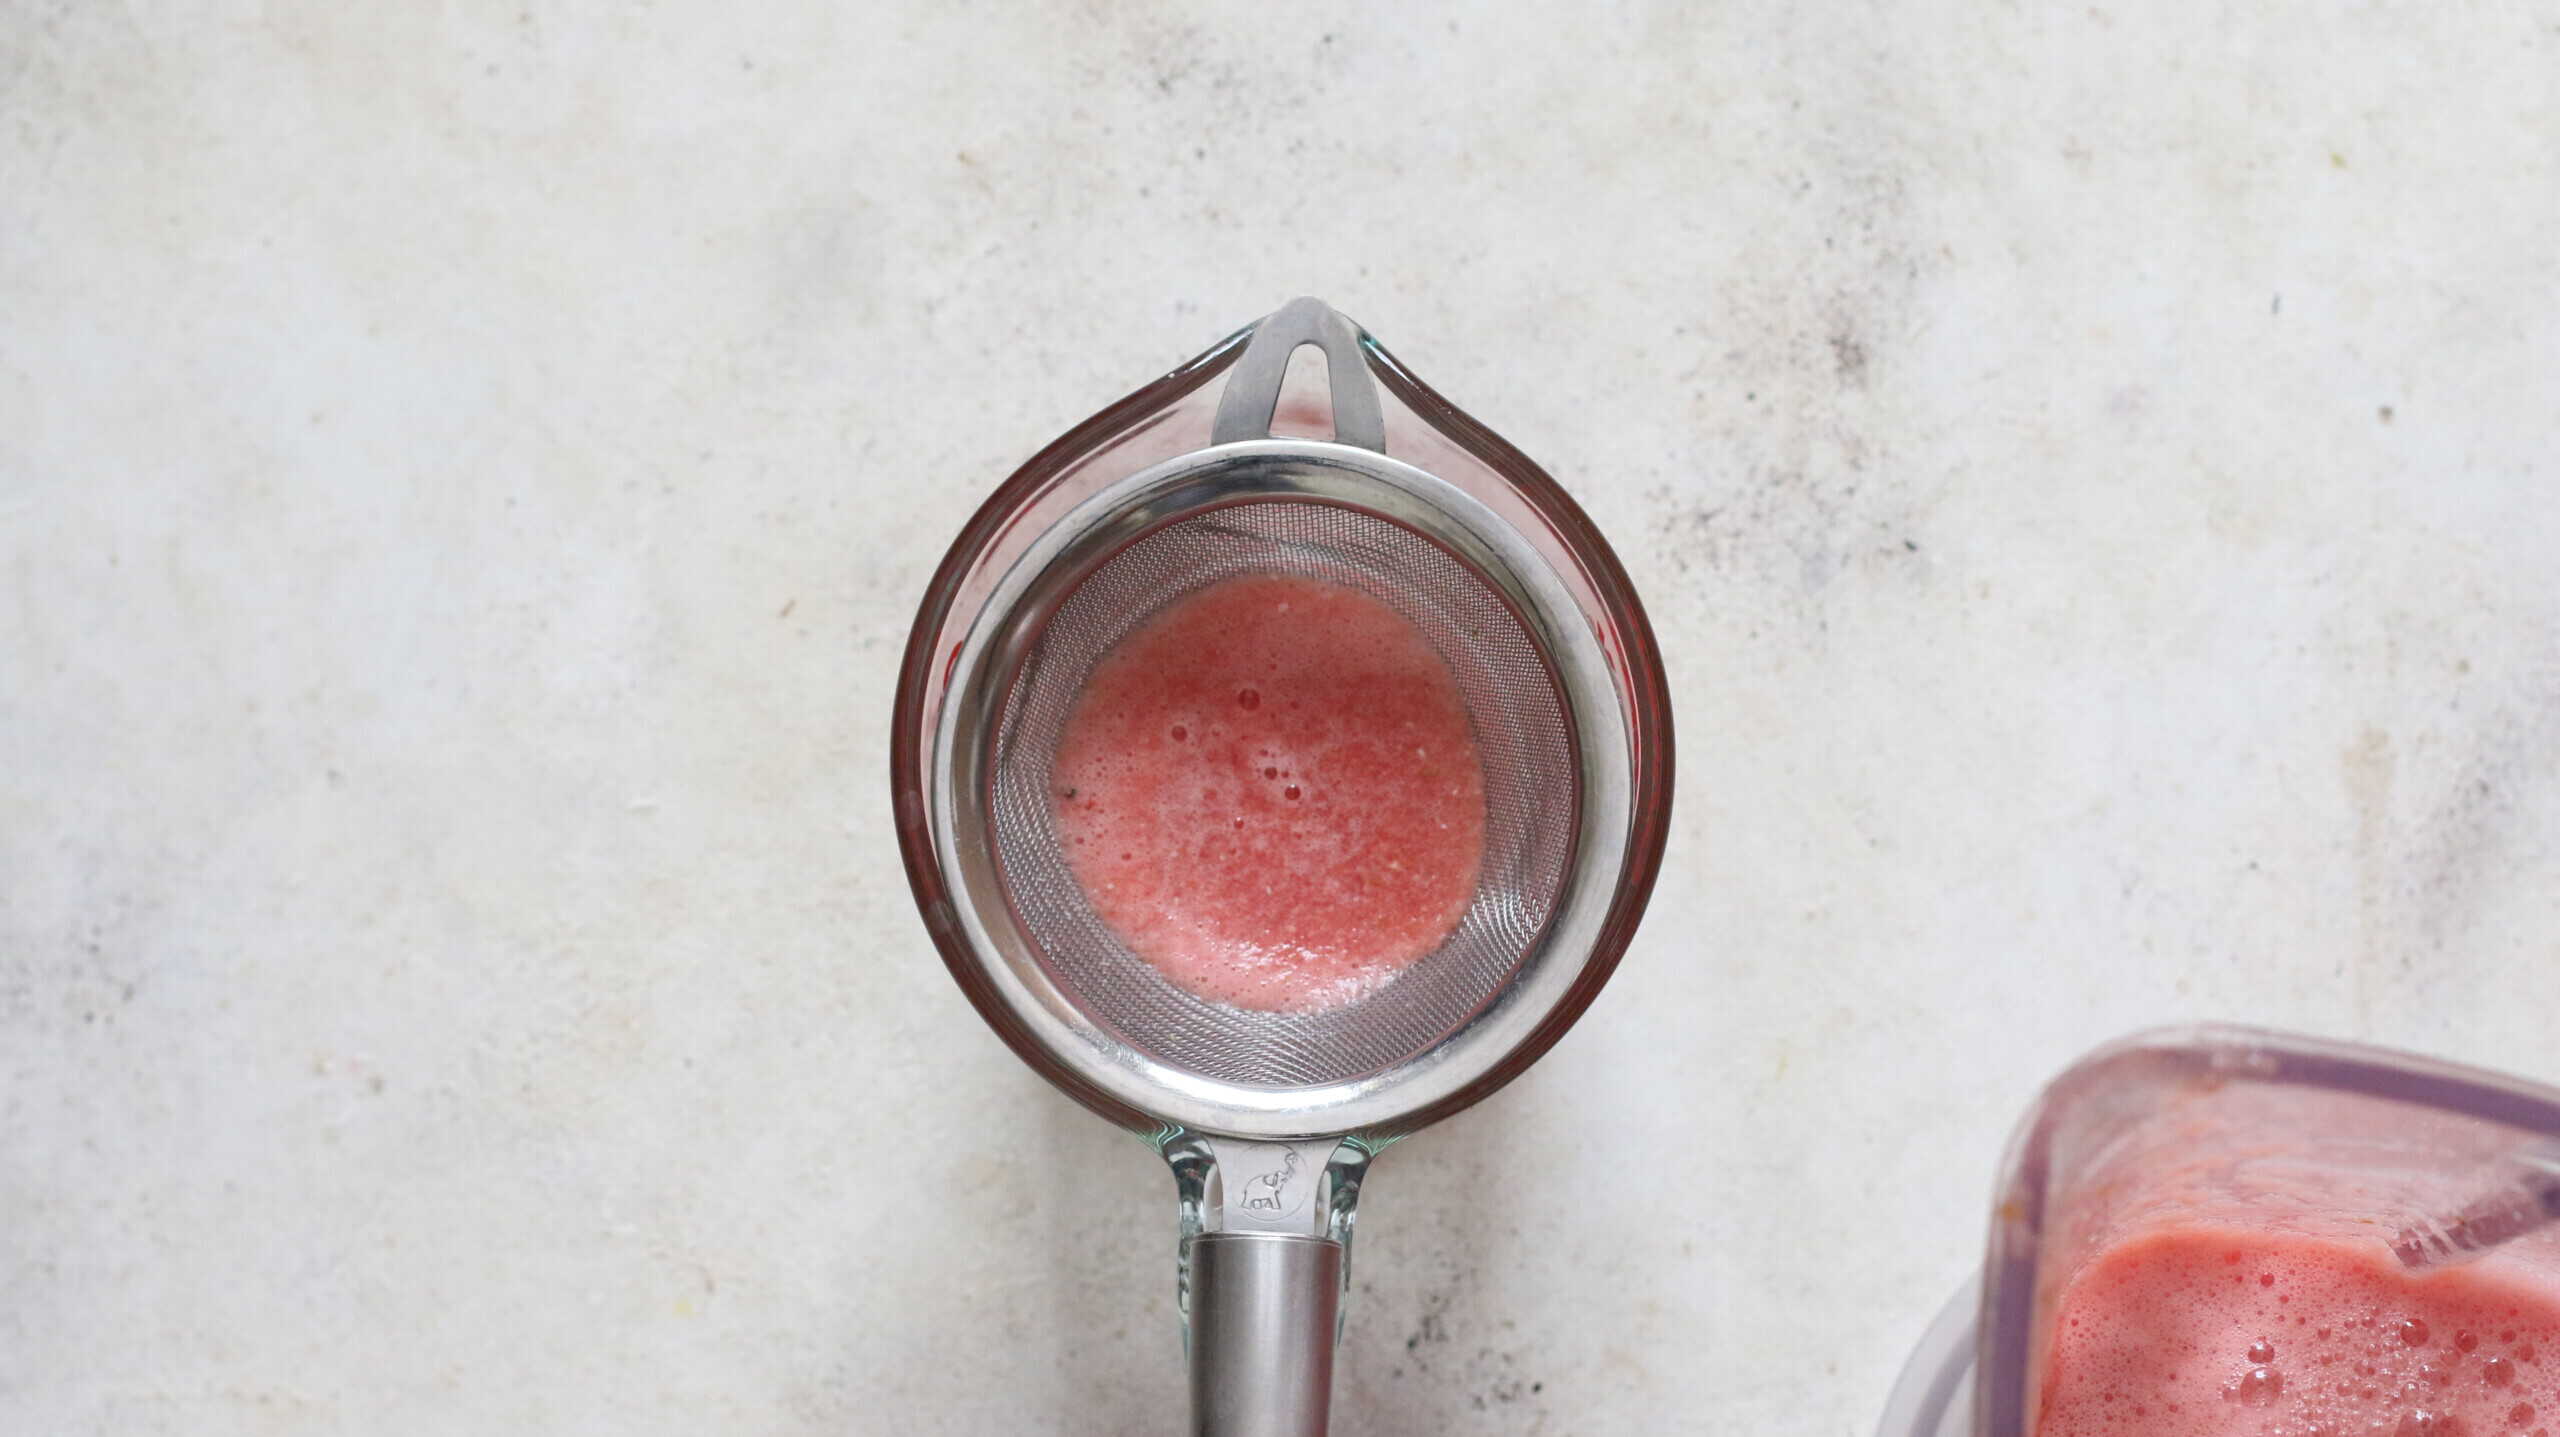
[
  {"x": 2376, "y": 1187},
  {"x": 1268, "y": 1117}
]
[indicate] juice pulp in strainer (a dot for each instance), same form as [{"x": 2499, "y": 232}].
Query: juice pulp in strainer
[
  {"x": 2217, "y": 1331},
  {"x": 1270, "y": 792}
]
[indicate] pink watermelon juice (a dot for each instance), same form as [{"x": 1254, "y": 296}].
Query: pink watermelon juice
[
  {"x": 2217, "y": 1331},
  {"x": 1271, "y": 793}
]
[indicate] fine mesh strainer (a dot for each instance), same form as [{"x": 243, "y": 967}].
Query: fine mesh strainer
[{"x": 1269, "y": 1119}]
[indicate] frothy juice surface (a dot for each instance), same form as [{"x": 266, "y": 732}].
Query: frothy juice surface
[
  {"x": 2214, "y": 1332},
  {"x": 1269, "y": 790}
]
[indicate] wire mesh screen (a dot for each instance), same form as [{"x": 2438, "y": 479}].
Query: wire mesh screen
[{"x": 1523, "y": 739}]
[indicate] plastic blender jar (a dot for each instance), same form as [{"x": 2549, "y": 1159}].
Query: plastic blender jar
[{"x": 2238, "y": 1128}]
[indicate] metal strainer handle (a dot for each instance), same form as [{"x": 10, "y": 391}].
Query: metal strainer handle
[
  {"x": 1264, "y": 1309},
  {"x": 1267, "y": 1229}
]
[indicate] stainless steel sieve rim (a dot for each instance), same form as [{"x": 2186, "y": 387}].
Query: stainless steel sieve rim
[{"x": 1443, "y": 1075}]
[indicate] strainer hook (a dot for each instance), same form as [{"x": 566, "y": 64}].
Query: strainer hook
[{"x": 1253, "y": 392}]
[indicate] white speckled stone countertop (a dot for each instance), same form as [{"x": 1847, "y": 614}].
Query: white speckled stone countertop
[{"x": 466, "y": 473}]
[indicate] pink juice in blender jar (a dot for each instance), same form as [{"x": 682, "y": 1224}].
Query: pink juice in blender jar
[
  {"x": 1270, "y": 791},
  {"x": 2216, "y": 1331},
  {"x": 2247, "y": 1234}
]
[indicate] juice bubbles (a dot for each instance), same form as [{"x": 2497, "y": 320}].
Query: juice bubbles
[
  {"x": 2203, "y": 1331},
  {"x": 1270, "y": 792}
]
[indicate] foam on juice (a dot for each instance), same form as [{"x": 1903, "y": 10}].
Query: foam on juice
[
  {"x": 2214, "y": 1331},
  {"x": 1271, "y": 793}
]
